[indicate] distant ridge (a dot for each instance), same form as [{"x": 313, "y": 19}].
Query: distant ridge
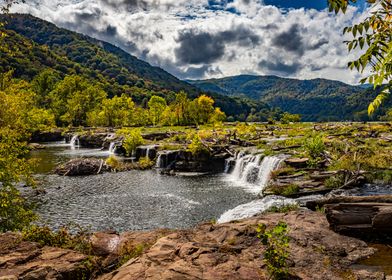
[{"x": 315, "y": 100}]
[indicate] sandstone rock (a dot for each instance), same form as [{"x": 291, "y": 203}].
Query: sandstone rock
[
  {"x": 232, "y": 251},
  {"x": 297, "y": 162},
  {"x": 27, "y": 260},
  {"x": 82, "y": 167}
]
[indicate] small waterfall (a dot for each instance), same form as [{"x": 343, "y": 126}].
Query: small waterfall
[
  {"x": 269, "y": 164},
  {"x": 112, "y": 147},
  {"x": 148, "y": 152},
  {"x": 253, "y": 170},
  {"x": 254, "y": 207},
  {"x": 159, "y": 163},
  {"x": 74, "y": 143}
]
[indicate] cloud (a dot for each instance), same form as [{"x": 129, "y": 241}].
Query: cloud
[
  {"x": 213, "y": 38},
  {"x": 197, "y": 47}
]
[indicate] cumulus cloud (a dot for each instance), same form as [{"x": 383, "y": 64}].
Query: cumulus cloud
[{"x": 213, "y": 38}]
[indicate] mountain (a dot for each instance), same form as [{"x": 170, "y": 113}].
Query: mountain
[
  {"x": 315, "y": 100},
  {"x": 38, "y": 45}
]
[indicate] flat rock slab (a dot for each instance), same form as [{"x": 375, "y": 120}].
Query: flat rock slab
[
  {"x": 28, "y": 260},
  {"x": 233, "y": 251}
]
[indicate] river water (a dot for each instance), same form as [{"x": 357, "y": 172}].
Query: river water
[{"x": 134, "y": 200}]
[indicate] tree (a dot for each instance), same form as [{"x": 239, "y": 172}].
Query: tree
[
  {"x": 217, "y": 116},
  {"x": 157, "y": 105},
  {"x": 118, "y": 111},
  {"x": 132, "y": 139},
  {"x": 290, "y": 118},
  {"x": 181, "y": 108},
  {"x": 73, "y": 98},
  {"x": 374, "y": 35}
]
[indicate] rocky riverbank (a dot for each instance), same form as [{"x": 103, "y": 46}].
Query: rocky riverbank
[{"x": 209, "y": 251}]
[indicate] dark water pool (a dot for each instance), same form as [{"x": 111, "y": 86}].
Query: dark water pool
[{"x": 134, "y": 200}]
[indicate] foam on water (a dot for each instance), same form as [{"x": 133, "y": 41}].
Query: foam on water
[{"x": 253, "y": 208}]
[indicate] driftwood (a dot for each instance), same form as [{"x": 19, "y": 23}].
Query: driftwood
[
  {"x": 363, "y": 219},
  {"x": 82, "y": 167}
]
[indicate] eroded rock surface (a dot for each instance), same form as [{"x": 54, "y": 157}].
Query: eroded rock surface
[
  {"x": 29, "y": 260},
  {"x": 232, "y": 251}
]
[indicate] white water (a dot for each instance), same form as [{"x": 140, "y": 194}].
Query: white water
[
  {"x": 253, "y": 172},
  {"x": 268, "y": 165},
  {"x": 159, "y": 161},
  {"x": 74, "y": 143},
  {"x": 254, "y": 207},
  {"x": 112, "y": 147}
]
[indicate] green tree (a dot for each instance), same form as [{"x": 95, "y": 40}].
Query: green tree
[
  {"x": 290, "y": 118},
  {"x": 132, "y": 139},
  {"x": 374, "y": 36},
  {"x": 73, "y": 98},
  {"x": 181, "y": 108},
  {"x": 157, "y": 105},
  {"x": 118, "y": 111},
  {"x": 217, "y": 116}
]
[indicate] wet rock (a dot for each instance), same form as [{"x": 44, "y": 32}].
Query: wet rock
[
  {"x": 36, "y": 146},
  {"x": 47, "y": 136},
  {"x": 82, "y": 167},
  {"x": 92, "y": 140},
  {"x": 297, "y": 162}
]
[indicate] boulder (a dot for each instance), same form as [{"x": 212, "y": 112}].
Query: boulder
[
  {"x": 82, "y": 167},
  {"x": 47, "y": 136},
  {"x": 92, "y": 140},
  {"x": 297, "y": 162},
  {"x": 36, "y": 146}
]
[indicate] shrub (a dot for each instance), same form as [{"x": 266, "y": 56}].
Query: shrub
[
  {"x": 132, "y": 139},
  {"x": 63, "y": 238},
  {"x": 285, "y": 190},
  {"x": 284, "y": 208},
  {"x": 290, "y": 118},
  {"x": 197, "y": 147},
  {"x": 276, "y": 254},
  {"x": 145, "y": 163},
  {"x": 314, "y": 146},
  {"x": 113, "y": 162},
  {"x": 133, "y": 252}
]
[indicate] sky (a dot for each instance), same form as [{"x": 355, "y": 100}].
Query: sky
[{"x": 200, "y": 39}]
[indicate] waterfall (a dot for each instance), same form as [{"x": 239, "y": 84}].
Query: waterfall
[
  {"x": 252, "y": 170},
  {"x": 159, "y": 163},
  {"x": 112, "y": 147},
  {"x": 74, "y": 143},
  {"x": 253, "y": 208},
  {"x": 269, "y": 164},
  {"x": 148, "y": 152}
]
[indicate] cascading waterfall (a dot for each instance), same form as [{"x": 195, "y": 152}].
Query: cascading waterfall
[
  {"x": 159, "y": 163},
  {"x": 269, "y": 164},
  {"x": 254, "y": 207},
  {"x": 74, "y": 143},
  {"x": 112, "y": 147},
  {"x": 252, "y": 169}
]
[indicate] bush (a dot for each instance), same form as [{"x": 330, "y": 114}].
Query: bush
[
  {"x": 277, "y": 253},
  {"x": 145, "y": 163},
  {"x": 290, "y": 118},
  {"x": 132, "y": 139},
  {"x": 197, "y": 147},
  {"x": 315, "y": 147},
  {"x": 63, "y": 238}
]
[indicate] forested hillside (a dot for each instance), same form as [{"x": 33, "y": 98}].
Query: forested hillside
[
  {"x": 315, "y": 100},
  {"x": 37, "y": 45}
]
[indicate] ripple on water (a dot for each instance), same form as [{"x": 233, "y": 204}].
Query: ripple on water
[{"x": 137, "y": 200}]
